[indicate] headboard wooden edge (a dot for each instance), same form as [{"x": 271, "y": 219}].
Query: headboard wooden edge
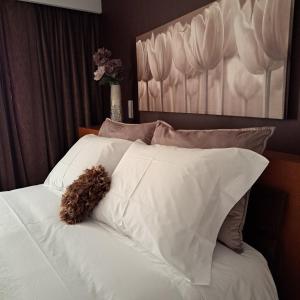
[
  {"x": 283, "y": 174},
  {"x": 82, "y": 131}
]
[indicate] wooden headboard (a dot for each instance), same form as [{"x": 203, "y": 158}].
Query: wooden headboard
[
  {"x": 273, "y": 221},
  {"x": 283, "y": 176}
]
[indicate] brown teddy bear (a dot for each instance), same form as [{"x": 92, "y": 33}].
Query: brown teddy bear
[{"x": 84, "y": 194}]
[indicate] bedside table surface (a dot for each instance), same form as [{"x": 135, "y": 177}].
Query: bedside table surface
[{"x": 82, "y": 131}]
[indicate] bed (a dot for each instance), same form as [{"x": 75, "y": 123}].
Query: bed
[
  {"x": 43, "y": 258},
  {"x": 47, "y": 259},
  {"x": 279, "y": 240}
]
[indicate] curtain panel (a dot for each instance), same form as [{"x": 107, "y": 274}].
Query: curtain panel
[{"x": 46, "y": 87}]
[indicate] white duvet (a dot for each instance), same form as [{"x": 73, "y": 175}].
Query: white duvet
[{"x": 41, "y": 258}]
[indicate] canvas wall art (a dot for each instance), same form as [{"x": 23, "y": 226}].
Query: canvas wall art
[{"x": 228, "y": 58}]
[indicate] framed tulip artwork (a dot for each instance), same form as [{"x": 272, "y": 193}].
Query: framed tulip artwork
[{"x": 230, "y": 57}]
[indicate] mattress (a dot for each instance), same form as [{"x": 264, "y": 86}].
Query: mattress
[{"x": 42, "y": 258}]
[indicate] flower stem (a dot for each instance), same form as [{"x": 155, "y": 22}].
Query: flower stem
[
  {"x": 147, "y": 91},
  {"x": 244, "y": 107},
  {"x": 266, "y": 100},
  {"x": 224, "y": 74},
  {"x": 206, "y": 93},
  {"x": 198, "y": 100},
  {"x": 202, "y": 93},
  {"x": 174, "y": 90},
  {"x": 187, "y": 103},
  {"x": 162, "y": 95}
]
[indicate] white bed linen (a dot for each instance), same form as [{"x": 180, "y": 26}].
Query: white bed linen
[
  {"x": 175, "y": 207},
  {"x": 89, "y": 151},
  {"x": 41, "y": 258}
]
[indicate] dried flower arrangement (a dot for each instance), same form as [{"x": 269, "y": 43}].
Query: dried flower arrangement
[{"x": 109, "y": 70}]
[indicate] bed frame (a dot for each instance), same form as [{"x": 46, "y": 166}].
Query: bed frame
[
  {"x": 276, "y": 222},
  {"x": 273, "y": 219}
]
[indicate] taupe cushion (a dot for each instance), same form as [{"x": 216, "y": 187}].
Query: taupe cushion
[
  {"x": 254, "y": 139},
  {"x": 131, "y": 132}
]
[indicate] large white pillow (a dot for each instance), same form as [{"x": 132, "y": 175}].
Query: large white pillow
[
  {"x": 89, "y": 151},
  {"x": 173, "y": 201}
]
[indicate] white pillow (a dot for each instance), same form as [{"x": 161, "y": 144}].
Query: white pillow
[
  {"x": 173, "y": 201},
  {"x": 89, "y": 151}
]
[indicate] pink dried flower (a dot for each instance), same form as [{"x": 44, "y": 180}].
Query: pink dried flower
[
  {"x": 102, "y": 56},
  {"x": 109, "y": 71},
  {"x": 99, "y": 73},
  {"x": 113, "y": 67}
]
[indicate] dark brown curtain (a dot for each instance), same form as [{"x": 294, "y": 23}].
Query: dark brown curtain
[{"x": 46, "y": 87}]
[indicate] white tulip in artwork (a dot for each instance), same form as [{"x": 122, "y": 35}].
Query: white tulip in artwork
[
  {"x": 143, "y": 71},
  {"x": 252, "y": 54},
  {"x": 180, "y": 58},
  {"x": 207, "y": 36},
  {"x": 172, "y": 82},
  {"x": 154, "y": 95},
  {"x": 144, "y": 104},
  {"x": 179, "y": 54},
  {"x": 271, "y": 24},
  {"x": 193, "y": 93},
  {"x": 250, "y": 51},
  {"x": 229, "y": 9},
  {"x": 160, "y": 59},
  {"x": 206, "y": 43},
  {"x": 243, "y": 85}
]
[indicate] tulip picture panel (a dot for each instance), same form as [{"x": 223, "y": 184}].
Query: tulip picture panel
[{"x": 228, "y": 58}]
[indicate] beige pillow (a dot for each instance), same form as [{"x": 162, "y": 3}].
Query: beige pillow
[
  {"x": 254, "y": 139},
  {"x": 131, "y": 132}
]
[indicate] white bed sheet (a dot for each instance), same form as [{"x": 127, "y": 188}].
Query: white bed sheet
[{"x": 41, "y": 258}]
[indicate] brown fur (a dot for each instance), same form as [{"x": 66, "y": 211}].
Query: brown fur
[{"x": 84, "y": 194}]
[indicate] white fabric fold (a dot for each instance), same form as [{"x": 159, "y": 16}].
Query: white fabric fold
[{"x": 41, "y": 258}]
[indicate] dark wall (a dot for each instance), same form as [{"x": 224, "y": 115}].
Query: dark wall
[{"x": 124, "y": 20}]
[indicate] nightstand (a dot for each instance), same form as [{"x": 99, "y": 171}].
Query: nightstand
[{"x": 82, "y": 131}]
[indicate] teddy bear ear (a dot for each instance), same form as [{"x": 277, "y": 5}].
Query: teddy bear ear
[{"x": 84, "y": 194}]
